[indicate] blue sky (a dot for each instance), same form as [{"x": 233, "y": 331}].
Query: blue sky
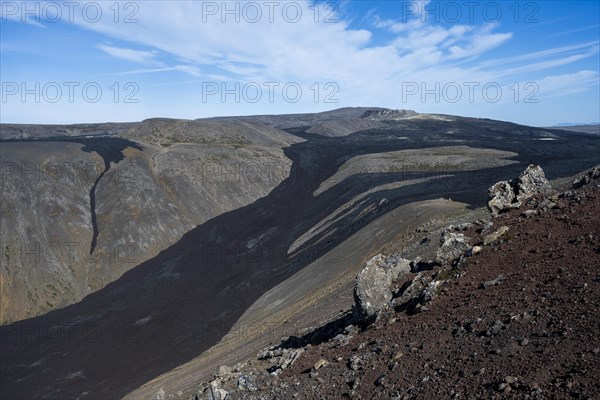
[{"x": 534, "y": 63}]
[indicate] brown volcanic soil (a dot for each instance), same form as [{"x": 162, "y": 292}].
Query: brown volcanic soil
[{"x": 546, "y": 309}]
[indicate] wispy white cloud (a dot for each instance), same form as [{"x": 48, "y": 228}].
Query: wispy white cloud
[
  {"x": 483, "y": 40},
  {"x": 569, "y": 31},
  {"x": 308, "y": 50},
  {"x": 554, "y": 62},
  {"x": 566, "y": 84},
  {"x": 137, "y": 56},
  {"x": 538, "y": 55},
  {"x": 183, "y": 68},
  {"x": 369, "y": 64},
  {"x": 146, "y": 57}
]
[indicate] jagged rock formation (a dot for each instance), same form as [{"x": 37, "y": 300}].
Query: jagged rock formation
[
  {"x": 532, "y": 181},
  {"x": 502, "y": 197},
  {"x": 508, "y": 195}
]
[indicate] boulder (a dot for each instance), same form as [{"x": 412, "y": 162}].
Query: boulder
[
  {"x": 453, "y": 246},
  {"x": 502, "y": 197},
  {"x": 532, "y": 181},
  {"x": 247, "y": 382},
  {"x": 372, "y": 291},
  {"x": 395, "y": 267}
]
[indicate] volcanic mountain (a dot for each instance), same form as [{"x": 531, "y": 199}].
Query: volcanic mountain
[{"x": 131, "y": 256}]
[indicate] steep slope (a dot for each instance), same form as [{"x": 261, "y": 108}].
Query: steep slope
[
  {"x": 165, "y": 132},
  {"x": 172, "y": 308},
  {"x": 515, "y": 320},
  {"x": 73, "y": 221}
]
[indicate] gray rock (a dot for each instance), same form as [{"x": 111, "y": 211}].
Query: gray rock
[
  {"x": 492, "y": 237},
  {"x": 414, "y": 290},
  {"x": 487, "y": 226},
  {"x": 395, "y": 269},
  {"x": 372, "y": 291},
  {"x": 529, "y": 213},
  {"x": 430, "y": 291},
  {"x": 453, "y": 246},
  {"x": 350, "y": 330},
  {"x": 586, "y": 178},
  {"x": 288, "y": 358},
  {"x": 496, "y": 328},
  {"x": 247, "y": 382},
  {"x": 493, "y": 282},
  {"x": 507, "y": 195},
  {"x": 502, "y": 197},
  {"x": 213, "y": 392},
  {"x": 270, "y": 353},
  {"x": 224, "y": 371},
  {"x": 464, "y": 226},
  {"x": 532, "y": 181}
]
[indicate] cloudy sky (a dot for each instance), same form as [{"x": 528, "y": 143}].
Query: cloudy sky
[{"x": 534, "y": 63}]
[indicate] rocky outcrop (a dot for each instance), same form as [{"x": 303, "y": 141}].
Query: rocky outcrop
[
  {"x": 373, "y": 284},
  {"x": 213, "y": 392},
  {"x": 502, "y": 197},
  {"x": 507, "y": 195},
  {"x": 587, "y": 178},
  {"x": 283, "y": 358},
  {"x": 453, "y": 245},
  {"x": 388, "y": 114},
  {"x": 532, "y": 181}
]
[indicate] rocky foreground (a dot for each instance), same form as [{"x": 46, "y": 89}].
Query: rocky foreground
[{"x": 509, "y": 308}]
